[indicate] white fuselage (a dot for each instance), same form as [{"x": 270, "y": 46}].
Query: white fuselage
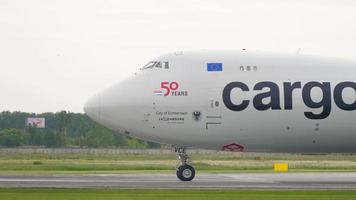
[{"x": 249, "y": 101}]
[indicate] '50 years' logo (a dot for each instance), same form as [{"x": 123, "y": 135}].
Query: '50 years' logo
[{"x": 170, "y": 89}]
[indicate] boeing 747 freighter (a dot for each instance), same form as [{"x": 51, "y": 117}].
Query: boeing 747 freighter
[{"x": 235, "y": 101}]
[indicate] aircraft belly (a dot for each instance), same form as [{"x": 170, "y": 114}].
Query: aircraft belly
[{"x": 286, "y": 132}]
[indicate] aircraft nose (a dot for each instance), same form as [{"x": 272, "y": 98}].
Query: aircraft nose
[
  {"x": 93, "y": 107},
  {"x": 121, "y": 107}
]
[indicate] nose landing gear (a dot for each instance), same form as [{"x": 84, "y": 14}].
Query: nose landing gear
[{"x": 185, "y": 172}]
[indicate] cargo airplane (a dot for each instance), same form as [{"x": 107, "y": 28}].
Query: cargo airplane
[{"x": 235, "y": 101}]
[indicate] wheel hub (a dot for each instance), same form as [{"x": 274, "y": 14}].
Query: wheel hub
[{"x": 187, "y": 173}]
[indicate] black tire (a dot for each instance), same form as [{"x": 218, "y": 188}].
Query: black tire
[{"x": 185, "y": 173}]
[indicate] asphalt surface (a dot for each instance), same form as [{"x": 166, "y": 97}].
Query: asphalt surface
[{"x": 202, "y": 181}]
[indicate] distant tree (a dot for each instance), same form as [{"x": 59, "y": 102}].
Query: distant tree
[
  {"x": 119, "y": 139},
  {"x": 50, "y": 139},
  {"x": 136, "y": 143},
  {"x": 153, "y": 145},
  {"x": 60, "y": 139},
  {"x": 65, "y": 128},
  {"x": 11, "y": 138},
  {"x": 35, "y": 135},
  {"x": 82, "y": 133},
  {"x": 63, "y": 119},
  {"x": 99, "y": 136}
]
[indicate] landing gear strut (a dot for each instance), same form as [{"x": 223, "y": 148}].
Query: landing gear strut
[{"x": 185, "y": 172}]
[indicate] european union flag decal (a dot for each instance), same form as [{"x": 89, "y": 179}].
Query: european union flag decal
[{"x": 214, "y": 67}]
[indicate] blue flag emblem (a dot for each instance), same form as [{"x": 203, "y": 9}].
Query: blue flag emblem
[{"x": 214, "y": 67}]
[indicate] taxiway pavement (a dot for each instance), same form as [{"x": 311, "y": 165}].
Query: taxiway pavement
[{"x": 202, "y": 181}]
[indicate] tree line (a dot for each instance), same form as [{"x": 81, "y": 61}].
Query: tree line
[{"x": 63, "y": 129}]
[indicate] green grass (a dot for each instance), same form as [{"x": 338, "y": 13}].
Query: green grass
[
  {"x": 102, "y": 194},
  {"x": 42, "y": 163}
]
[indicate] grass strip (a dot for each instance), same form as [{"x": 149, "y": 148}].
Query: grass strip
[{"x": 104, "y": 194}]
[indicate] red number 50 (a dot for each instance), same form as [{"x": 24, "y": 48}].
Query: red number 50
[{"x": 169, "y": 86}]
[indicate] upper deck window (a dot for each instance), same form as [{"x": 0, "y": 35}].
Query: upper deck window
[{"x": 149, "y": 65}]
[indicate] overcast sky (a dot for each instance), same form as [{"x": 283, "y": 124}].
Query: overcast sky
[{"x": 54, "y": 54}]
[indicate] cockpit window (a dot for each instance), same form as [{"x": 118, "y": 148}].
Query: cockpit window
[
  {"x": 166, "y": 65},
  {"x": 156, "y": 64},
  {"x": 149, "y": 65}
]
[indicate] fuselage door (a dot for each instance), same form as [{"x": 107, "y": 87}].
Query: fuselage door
[{"x": 213, "y": 117}]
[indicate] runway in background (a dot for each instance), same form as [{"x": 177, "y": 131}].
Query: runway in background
[{"x": 202, "y": 181}]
